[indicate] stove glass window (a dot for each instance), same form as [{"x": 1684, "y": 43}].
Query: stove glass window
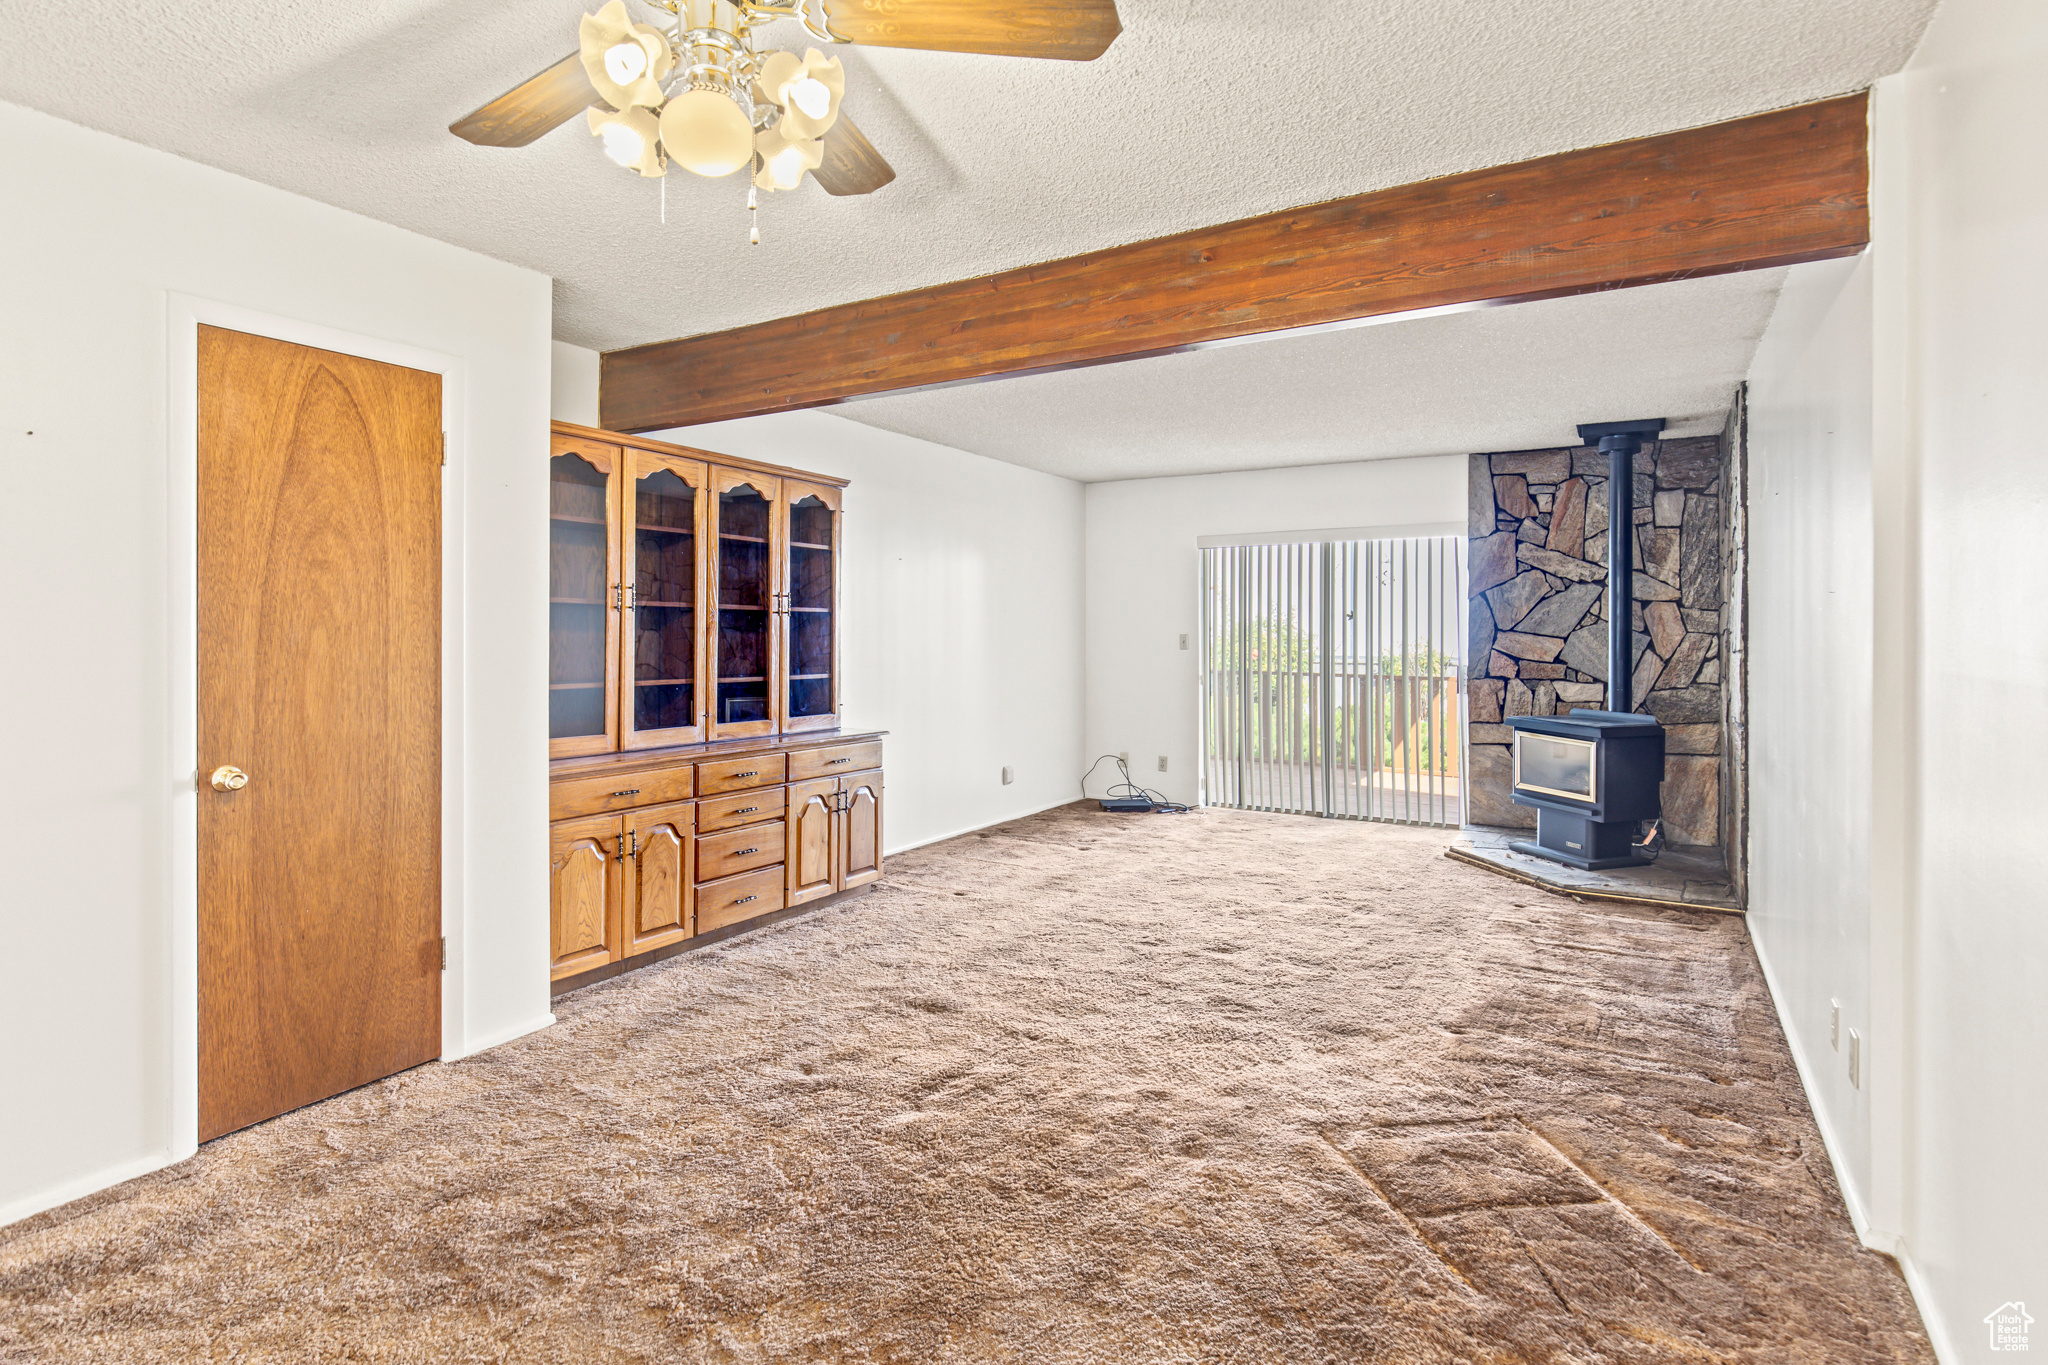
[{"x": 1553, "y": 765}]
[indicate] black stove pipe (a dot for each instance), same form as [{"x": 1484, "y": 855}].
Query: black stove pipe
[{"x": 1620, "y": 441}]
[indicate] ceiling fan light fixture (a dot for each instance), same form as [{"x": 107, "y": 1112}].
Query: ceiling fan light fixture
[
  {"x": 624, "y": 60},
  {"x": 707, "y": 132},
  {"x": 630, "y": 138},
  {"x": 807, "y": 88},
  {"x": 785, "y": 159}
]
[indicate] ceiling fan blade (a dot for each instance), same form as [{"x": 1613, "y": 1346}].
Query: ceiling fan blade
[
  {"x": 1071, "y": 30},
  {"x": 851, "y": 164},
  {"x": 527, "y": 111}
]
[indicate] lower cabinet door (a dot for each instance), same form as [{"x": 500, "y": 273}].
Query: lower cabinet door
[
  {"x": 811, "y": 857},
  {"x": 586, "y": 885},
  {"x": 860, "y": 829},
  {"x": 660, "y": 876}
]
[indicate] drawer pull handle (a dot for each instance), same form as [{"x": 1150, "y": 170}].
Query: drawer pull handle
[
  {"x": 746, "y": 810},
  {"x": 830, "y": 761},
  {"x": 753, "y": 773},
  {"x": 630, "y": 791},
  {"x": 745, "y": 851},
  {"x": 744, "y": 899}
]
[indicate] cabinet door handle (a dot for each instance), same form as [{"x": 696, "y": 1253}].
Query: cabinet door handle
[
  {"x": 755, "y": 773},
  {"x": 746, "y": 810},
  {"x": 745, "y": 851},
  {"x": 625, "y": 852},
  {"x": 832, "y": 761},
  {"x": 630, "y": 791},
  {"x": 744, "y": 899}
]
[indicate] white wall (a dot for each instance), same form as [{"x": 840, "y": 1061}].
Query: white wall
[
  {"x": 97, "y": 236},
  {"x": 1810, "y": 661},
  {"x": 1945, "y": 809},
  {"x": 1144, "y": 575},
  {"x": 572, "y": 394},
  {"x": 963, "y": 615},
  {"x": 1960, "y": 212}
]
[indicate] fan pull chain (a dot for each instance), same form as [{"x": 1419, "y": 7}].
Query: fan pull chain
[{"x": 753, "y": 217}]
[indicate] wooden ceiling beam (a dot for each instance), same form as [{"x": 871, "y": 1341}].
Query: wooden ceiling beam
[{"x": 1769, "y": 190}]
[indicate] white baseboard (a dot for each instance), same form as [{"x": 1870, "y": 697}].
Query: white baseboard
[
  {"x": 485, "y": 1042},
  {"x": 1885, "y": 1241},
  {"x": 78, "y": 1187},
  {"x": 985, "y": 824}
]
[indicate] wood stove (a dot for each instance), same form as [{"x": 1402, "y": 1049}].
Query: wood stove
[{"x": 1594, "y": 776}]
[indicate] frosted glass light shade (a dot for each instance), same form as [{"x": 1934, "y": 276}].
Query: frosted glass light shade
[
  {"x": 784, "y": 159},
  {"x": 706, "y": 132},
  {"x": 808, "y": 89},
  {"x": 630, "y": 138},
  {"x": 611, "y": 28}
]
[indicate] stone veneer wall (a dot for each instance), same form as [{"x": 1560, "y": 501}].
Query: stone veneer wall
[{"x": 1538, "y": 646}]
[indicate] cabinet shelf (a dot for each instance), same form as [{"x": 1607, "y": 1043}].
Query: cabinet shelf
[
  {"x": 807, "y": 545},
  {"x": 723, "y": 681},
  {"x": 808, "y": 677},
  {"x": 662, "y": 682},
  {"x": 574, "y": 687},
  {"x": 750, "y": 540},
  {"x": 668, "y": 530},
  {"x": 580, "y": 521},
  {"x": 816, "y": 611},
  {"x": 737, "y": 606},
  {"x": 576, "y": 601},
  {"x": 685, "y": 606}
]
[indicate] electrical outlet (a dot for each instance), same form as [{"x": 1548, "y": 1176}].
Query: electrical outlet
[
  {"x": 1009, "y": 775},
  {"x": 1855, "y": 1059},
  {"x": 1183, "y": 642},
  {"x": 1835, "y": 1025},
  {"x": 1162, "y": 763}
]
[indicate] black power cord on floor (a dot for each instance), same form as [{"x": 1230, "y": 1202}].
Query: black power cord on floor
[{"x": 1128, "y": 790}]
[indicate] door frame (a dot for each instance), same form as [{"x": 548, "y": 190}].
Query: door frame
[{"x": 180, "y": 950}]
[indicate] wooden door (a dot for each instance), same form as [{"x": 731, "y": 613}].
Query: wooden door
[
  {"x": 744, "y": 650},
  {"x": 586, "y": 887},
  {"x": 665, "y": 517},
  {"x": 661, "y": 869},
  {"x": 860, "y": 829},
  {"x": 319, "y": 546},
  {"x": 808, "y": 680},
  {"x": 585, "y": 597},
  {"x": 812, "y": 857}
]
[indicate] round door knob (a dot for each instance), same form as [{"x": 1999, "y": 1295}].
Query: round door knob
[{"x": 229, "y": 779}]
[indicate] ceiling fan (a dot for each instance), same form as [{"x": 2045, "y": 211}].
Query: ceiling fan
[{"x": 695, "y": 90}]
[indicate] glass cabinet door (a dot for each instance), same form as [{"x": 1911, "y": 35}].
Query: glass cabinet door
[
  {"x": 582, "y": 577},
  {"x": 742, "y": 648},
  {"x": 810, "y": 608},
  {"x": 666, "y": 509}
]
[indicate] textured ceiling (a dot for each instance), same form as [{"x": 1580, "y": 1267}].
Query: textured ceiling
[
  {"x": 1495, "y": 379},
  {"x": 1203, "y": 111}
]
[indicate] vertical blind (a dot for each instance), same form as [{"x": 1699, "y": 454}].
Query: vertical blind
[{"x": 1330, "y": 678}]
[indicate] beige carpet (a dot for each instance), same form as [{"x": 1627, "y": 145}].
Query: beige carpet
[{"x": 1216, "y": 1087}]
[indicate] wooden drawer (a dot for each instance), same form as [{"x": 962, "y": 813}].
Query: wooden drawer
[
  {"x": 734, "y": 774},
  {"x": 732, "y": 899},
  {"x": 830, "y": 762},
  {"x": 739, "y": 850},
  {"x": 620, "y": 791},
  {"x": 746, "y": 808}
]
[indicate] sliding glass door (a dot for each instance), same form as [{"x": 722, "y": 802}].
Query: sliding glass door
[{"x": 1330, "y": 678}]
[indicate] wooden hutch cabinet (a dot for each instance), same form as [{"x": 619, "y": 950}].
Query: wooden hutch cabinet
[{"x": 700, "y": 778}]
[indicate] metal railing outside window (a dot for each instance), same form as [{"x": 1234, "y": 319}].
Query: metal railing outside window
[{"x": 1330, "y": 678}]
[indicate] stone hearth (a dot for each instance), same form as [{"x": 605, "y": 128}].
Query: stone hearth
[{"x": 1689, "y": 878}]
